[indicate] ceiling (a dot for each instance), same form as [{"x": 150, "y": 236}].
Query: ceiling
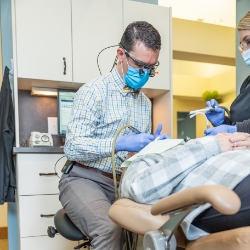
[{"x": 219, "y": 12}]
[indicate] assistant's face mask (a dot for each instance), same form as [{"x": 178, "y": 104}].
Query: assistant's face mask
[
  {"x": 246, "y": 57},
  {"x": 135, "y": 78}
]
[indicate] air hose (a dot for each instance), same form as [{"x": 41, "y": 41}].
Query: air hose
[
  {"x": 226, "y": 109},
  {"x": 130, "y": 237},
  {"x": 113, "y": 158}
]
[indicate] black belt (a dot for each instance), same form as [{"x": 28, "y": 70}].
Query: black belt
[{"x": 109, "y": 175}]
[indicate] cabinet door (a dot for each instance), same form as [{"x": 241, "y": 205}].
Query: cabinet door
[
  {"x": 43, "y": 33},
  {"x": 46, "y": 243},
  {"x": 160, "y": 18},
  {"x": 36, "y": 214},
  {"x": 96, "y": 24}
]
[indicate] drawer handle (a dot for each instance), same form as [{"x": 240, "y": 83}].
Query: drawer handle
[
  {"x": 47, "y": 215},
  {"x": 47, "y": 174},
  {"x": 64, "y": 66}
]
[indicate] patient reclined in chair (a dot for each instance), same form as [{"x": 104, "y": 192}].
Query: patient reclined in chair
[{"x": 199, "y": 162}]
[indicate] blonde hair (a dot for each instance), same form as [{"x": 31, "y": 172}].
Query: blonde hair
[{"x": 244, "y": 23}]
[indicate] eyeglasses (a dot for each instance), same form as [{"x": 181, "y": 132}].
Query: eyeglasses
[
  {"x": 245, "y": 44},
  {"x": 150, "y": 69}
]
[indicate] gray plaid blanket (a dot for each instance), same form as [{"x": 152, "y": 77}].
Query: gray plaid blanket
[{"x": 198, "y": 162}]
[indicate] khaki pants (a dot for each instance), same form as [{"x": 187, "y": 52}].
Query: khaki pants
[{"x": 86, "y": 197}]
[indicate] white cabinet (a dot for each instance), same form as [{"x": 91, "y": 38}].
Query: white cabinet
[
  {"x": 96, "y": 24},
  {"x": 49, "y": 30},
  {"x": 160, "y": 17},
  {"x": 43, "y": 39},
  {"x": 36, "y": 214},
  {"x": 43, "y": 181},
  {"x": 46, "y": 243},
  {"x": 38, "y": 200}
]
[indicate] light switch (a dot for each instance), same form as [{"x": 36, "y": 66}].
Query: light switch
[{"x": 52, "y": 125}]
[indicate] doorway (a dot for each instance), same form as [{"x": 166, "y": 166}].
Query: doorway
[{"x": 186, "y": 126}]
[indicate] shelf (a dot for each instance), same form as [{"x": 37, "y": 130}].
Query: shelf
[
  {"x": 38, "y": 150},
  {"x": 27, "y": 84}
]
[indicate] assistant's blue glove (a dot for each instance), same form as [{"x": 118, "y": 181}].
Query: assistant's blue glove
[
  {"x": 158, "y": 135},
  {"x": 215, "y": 116},
  {"x": 133, "y": 143},
  {"x": 222, "y": 128}
]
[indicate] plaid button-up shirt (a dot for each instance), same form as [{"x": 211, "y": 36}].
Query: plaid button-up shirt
[{"x": 100, "y": 108}]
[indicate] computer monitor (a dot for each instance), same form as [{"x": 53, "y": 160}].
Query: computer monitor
[{"x": 65, "y": 99}]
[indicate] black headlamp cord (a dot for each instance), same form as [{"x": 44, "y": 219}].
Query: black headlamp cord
[{"x": 115, "y": 61}]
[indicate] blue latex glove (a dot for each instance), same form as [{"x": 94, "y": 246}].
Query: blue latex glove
[
  {"x": 158, "y": 135},
  {"x": 133, "y": 143},
  {"x": 222, "y": 128},
  {"x": 215, "y": 116},
  {"x": 136, "y": 142}
]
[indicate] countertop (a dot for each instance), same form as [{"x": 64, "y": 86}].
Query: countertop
[{"x": 38, "y": 150}]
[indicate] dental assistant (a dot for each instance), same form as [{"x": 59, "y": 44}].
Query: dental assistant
[
  {"x": 240, "y": 108},
  {"x": 100, "y": 108}
]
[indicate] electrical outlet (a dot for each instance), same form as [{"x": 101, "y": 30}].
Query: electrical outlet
[{"x": 52, "y": 125}]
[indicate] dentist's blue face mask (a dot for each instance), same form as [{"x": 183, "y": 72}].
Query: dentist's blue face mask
[
  {"x": 246, "y": 57},
  {"x": 135, "y": 78}
]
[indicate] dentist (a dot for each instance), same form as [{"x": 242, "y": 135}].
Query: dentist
[{"x": 100, "y": 108}]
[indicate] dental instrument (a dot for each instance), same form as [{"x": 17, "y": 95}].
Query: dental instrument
[{"x": 191, "y": 115}]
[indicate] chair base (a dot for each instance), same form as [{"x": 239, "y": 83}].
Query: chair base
[{"x": 83, "y": 245}]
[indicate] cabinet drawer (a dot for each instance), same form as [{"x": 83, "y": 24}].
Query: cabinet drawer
[
  {"x": 30, "y": 173},
  {"x": 30, "y": 210},
  {"x": 44, "y": 242}
]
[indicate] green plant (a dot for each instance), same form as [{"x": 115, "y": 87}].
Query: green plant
[{"x": 208, "y": 95}]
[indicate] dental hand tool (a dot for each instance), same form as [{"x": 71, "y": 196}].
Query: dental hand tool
[
  {"x": 203, "y": 110},
  {"x": 135, "y": 130},
  {"x": 199, "y": 112}
]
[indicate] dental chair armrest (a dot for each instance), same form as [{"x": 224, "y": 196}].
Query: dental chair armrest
[{"x": 221, "y": 198}]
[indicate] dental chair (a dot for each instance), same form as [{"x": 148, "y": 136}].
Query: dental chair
[{"x": 160, "y": 223}]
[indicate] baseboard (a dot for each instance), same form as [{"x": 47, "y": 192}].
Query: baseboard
[{"x": 3, "y": 232}]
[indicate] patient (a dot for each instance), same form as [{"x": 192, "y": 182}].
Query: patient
[{"x": 222, "y": 159}]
